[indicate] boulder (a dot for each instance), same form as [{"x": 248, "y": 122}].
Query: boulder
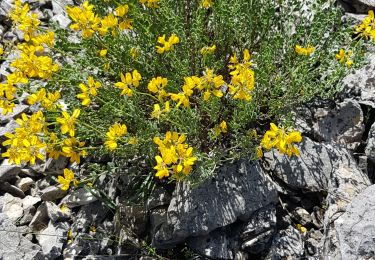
[
  {"x": 52, "y": 239},
  {"x": 286, "y": 244},
  {"x": 356, "y": 227},
  {"x": 236, "y": 192}
]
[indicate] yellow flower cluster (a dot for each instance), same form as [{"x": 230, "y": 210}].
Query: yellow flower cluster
[
  {"x": 222, "y": 128},
  {"x": 157, "y": 86},
  {"x": 208, "y": 50},
  {"x": 211, "y": 83},
  {"x": 281, "y": 140},
  {"x": 157, "y": 112},
  {"x": 115, "y": 132},
  {"x": 47, "y": 100},
  {"x": 128, "y": 81},
  {"x": 31, "y": 62},
  {"x": 344, "y": 58},
  {"x": 26, "y": 145},
  {"x": 176, "y": 158},
  {"x": 150, "y": 3},
  {"x": 90, "y": 89},
  {"x": 242, "y": 81},
  {"x": 207, "y": 3},
  {"x": 166, "y": 45},
  {"x": 88, "y": 22},
  {"x": 67, "y": 179},
  {"x": 367, "y": 28},
  {"x": 187, "y": 91},
  {"x": 304, "y": 51}
]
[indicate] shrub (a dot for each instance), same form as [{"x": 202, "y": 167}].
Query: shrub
[{"x": 183, "y": 85}]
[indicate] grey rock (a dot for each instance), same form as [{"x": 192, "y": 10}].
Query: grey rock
[
  {"x": 79, "y": 197},
  {"x": 356, "y": 227},
  {"x": 91, "y": 214},
  {"x": 133, "y": 217},
  {"x": 12, "y": 207},
  {"x": 62, "y": 20},
  {"x": 40, "y": 219},
  {"x": 287, "y": 244},
  {"x": 343, "y": 125},
  {"x": 236, "y": 192},
  {"x": 14, "y": 245},
  {"x": 216, "y": 245},
  {"x": 17, "y": 110},
  {"x": 158, "y": 198},
  {"x": 59, "y": 6},
  {"x": 11, "y": 189},
  {"x": 54, "y": 167},
  {"x": 370, "y": 147},
  {"x": 52, "y": 193},
  {"x": 317, "y": 217},
  {"x": 302, "y": 216},
  {"x": 259, "y": 230},
  {"x": 55, "y": 214},
  {"x": 8, "y": 171},
  {"x": 48, "y": 211},
  {"x": 5, "y": 8},
  {"x": 359, "y": 6},
  {"x": 310, "y": 171},
  {"x": 9, "y": 127},
  {"x": 52, "y": 239},
  {"x": 24, "y": 184},
  {"x": 360, "y": 85}
]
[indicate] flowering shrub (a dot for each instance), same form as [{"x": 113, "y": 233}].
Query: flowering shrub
[{"x": 184, "y": 85}]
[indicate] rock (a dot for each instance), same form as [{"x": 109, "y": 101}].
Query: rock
[
  {"x": 91, "y": 214},
  {"x": 312, "y": 244},
  {"x": 259, "y": 230},
  {"x": 40, "y": 219},
  {"x": 17, "y": 110},
  {"x": 79, "y": 197},
  {"x": 54, "y": 213},
  {"x": 356, "y": 227},
  {"x": 133, "y": 217},
  {"x": 216, "y": 245},
  {"x": 317, "y": 217},
  {"x": 8, "y": 188},
  {"x": 370, "y": 147},
  {"x": 8, "y": 128},
  {"x": 24, "y": 184},
  {"x": 313, "y": 169},
  {"x": 236, "y": 192},
  {"x": 52, "y": 239},
  {"x": 59, "y": 6},
  {"x": 359, "y": 6},
  {"x": 62, "y": 20},
  {"x": 343, "y": 125},
  {"x": 287, "y": 244},
  {"x": 14, "y": 245},
  {"x": 12, "y": 207},
  {"x": 54, "y": 167},
  {"x": 8, "y": 171},
  {"x": 310, "y": 171},
  {"x": 158, "y": 198},
  {"x": 5, "y": 8},
  {"x": 52, "y": 193},
  {"x": 360, "y": 85},
  {"x": 302, "y": 216}
]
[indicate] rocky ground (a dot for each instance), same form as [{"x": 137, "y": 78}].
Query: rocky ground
[{"x": 319, "y": 205}]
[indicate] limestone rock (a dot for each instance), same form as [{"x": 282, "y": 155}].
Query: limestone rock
[
  {"x": 52, "y": 239},
  {"x": 356, "y": 227},
  {"x": 287, "y": 244},
  {"x": 79, "y": 197},
  {"x": 236, "y": 192}
]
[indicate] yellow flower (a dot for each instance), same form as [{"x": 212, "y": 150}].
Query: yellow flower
[
  {"x": 84, "y": 19},
  {"x": 281, "y": 140},
  {"x": 1, "y": 51},
  {"x": 66, "y": 180},
  {"x": 207, "y": 3},
  {"x": 72, "y": 149},
  {"x": 157, "y": 86},
  {"x": 115, "y": 132},
  {"x": 107, "y": 23},
  {"x": 166, "y": 45},
  {"x": 6, "y": 106},
  {"x": 67, "y": 122},
  {"x": 344, "y": 58},
  {"x": 157, "y": 112},
  {"x": 367, "y": 28},
  {"x": 304, "y": 51},
  {"x": 128, "y": 81},
  {"x": 90, "y": 89},
  {"x": 208, "y": 50},
  {"x": 211, "y": 84},
  {"x": 150, "y": 3},
  {"x": 103, "y": 52},
  {"x": 242, "y": 81},
  {"x": 134, "y": 53},
  {"x": 221, "y": 128},
  {"x": 121, "y": 10}
]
